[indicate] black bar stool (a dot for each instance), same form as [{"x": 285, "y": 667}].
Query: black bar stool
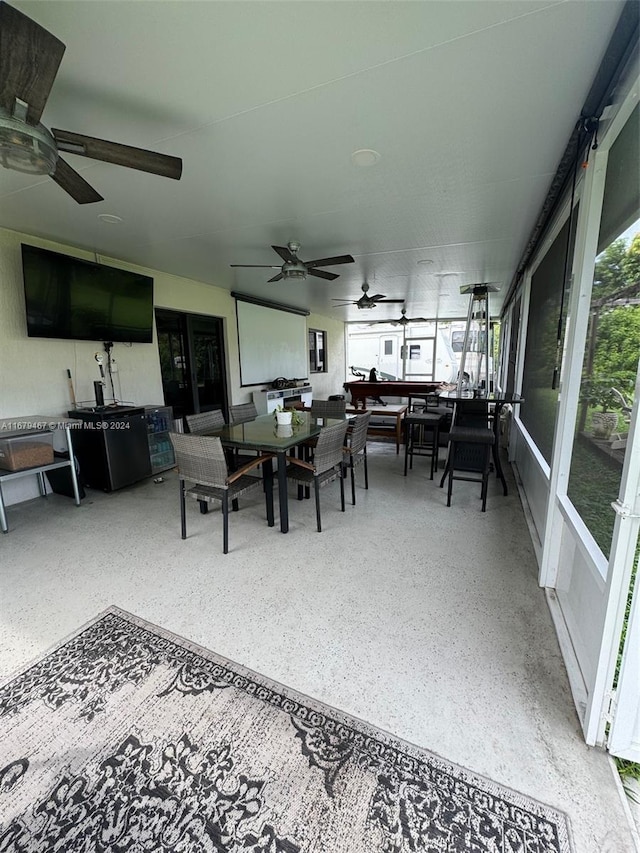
[
  {"x": 422, "y": 437},
  {"x": 471, "y": 442}
]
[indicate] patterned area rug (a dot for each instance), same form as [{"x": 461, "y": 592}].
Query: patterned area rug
[{"x": 128, "y": 738}]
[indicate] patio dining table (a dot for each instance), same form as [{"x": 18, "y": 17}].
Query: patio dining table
[{"x": 263, "y": 434}]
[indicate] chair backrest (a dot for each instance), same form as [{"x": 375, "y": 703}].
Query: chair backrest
[
  {"x": 328, "y": 451},
  {"x": 472, "y": 413},
  {"x": 200, "y": 459},
  {"x": 205, "y": 421},
  {"x": 328, "y": 408},
  {"x": 242, "y": 412},
  {"x": 359, "y": 432}
]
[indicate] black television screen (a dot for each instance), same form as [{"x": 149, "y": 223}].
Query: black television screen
[{"x": 70, "y": 298}]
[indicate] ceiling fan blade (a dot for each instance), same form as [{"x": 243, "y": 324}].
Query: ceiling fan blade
[
  {"x": 121, "y": 155},
  {"x": 376, "y": 298},
  {"x": 29, "y": 60},
  {"x": 329, "y": 262},
  {"x": 324, "y": 274},
  {"x": 389, "y": 301},
  {"x": 275, "y": 278},
  {"x": 74, "y": 184},
  {"x": 285, "y": 254},
  {"x": 258, "y": 266}
]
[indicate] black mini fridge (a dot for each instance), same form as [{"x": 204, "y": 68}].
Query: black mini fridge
[{"x": 111, "y": 446}]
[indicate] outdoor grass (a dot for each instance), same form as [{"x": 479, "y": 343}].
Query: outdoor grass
[{"x": 593, "y": 484}]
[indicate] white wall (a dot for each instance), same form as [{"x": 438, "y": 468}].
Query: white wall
[
  {"x": 325, "y": 384},
  {"x": 33, "y": 371}
]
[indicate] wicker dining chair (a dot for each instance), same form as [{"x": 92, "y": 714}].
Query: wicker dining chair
[
  {"x": 328, "y": 408},
  {"x": 242, "y": 413},
  {"x": 205, "y": 421},
  {"x": 327, "y": 465},
  {"x": 355, "y": 453},
  {"x": 202, "y": 462},
  {"x": 324, "y": 409}
]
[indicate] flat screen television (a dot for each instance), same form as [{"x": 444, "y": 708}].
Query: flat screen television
[{"x": 79, "y": 300}]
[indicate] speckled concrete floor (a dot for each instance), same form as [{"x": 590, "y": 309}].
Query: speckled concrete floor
[{"x": 425, "y": 621}]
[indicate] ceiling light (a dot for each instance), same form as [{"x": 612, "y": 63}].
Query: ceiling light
[
  {"x": 293, "y": 272},
  {"x": 110, "y": 218},
  {"x": 26, "y": 148},
  {"x": 365, "y": 157}
]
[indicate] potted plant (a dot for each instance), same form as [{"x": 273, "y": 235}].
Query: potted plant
[
  {"x": 599, "y": 391},
  {"x": 287, "y": 417}
]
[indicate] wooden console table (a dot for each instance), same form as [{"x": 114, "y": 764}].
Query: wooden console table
[
  {"x": 37, "y": 425},
  {"x": 392, "y": 410}
]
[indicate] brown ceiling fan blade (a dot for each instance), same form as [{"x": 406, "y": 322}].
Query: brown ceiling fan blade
[
  {"x": 285, "y": 254},
  {"x": 389, "y": 301},
  {"x": 323, "y": 274},
  {"x": 276, "y": 278},
  {"x": 376, "y": 297},
  {"x": 258, "y": 266},
  {"x": 121, "y": 155},
  {"x": 29, "y": 60},
  {"x": 74, "y": 184},
  {"x": 329, "y": 262}
]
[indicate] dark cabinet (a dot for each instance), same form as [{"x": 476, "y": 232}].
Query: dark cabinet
[{"x": 112, "y": 447}]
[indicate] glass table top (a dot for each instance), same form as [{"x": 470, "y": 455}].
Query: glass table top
[{"x": 265, "y": 433}]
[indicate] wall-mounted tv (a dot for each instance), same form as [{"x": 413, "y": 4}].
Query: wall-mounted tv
[{"x": 79, "y": 300}]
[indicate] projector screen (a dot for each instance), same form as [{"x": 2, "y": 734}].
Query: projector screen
[{"x": 272, "y": 343}]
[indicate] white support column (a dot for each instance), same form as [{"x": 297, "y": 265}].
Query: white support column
[{"x": 586, "y": 246}]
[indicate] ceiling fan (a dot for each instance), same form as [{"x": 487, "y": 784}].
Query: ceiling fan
[
  {"x": 366, "y": 301},
  {"x": 29, "y": 61},
  {"x": 293, "y": 267},
  {"x": 403, "y": 320}
]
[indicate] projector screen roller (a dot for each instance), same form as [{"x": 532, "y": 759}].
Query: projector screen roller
[{"x": 272, "y": 343}]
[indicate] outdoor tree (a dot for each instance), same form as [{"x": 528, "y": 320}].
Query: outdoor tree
[
  {"x": 631, "y": 263},
  {"x": 609, "y": 269},
  {"x": 618, "y": 345}
]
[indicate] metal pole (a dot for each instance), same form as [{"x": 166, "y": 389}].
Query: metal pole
[{"x": 465, "y": 345}]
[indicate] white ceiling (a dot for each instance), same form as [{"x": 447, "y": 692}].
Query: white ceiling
[{"x": 470, "y": 105}]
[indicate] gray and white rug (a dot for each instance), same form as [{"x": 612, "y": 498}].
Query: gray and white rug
[{"x": 129, "y": 738}]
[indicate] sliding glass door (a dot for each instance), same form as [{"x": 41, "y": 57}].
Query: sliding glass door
[{"x": 191, "y": 348}]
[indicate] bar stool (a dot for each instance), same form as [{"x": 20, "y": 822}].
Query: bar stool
[
  {"x": 422, "y": 437},
  {"x": 471, "y": 442}
]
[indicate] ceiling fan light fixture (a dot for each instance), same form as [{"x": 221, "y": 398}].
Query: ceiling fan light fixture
[
  {"x": 25, "y": 148},
  {"x": 294, "y": 272}
]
